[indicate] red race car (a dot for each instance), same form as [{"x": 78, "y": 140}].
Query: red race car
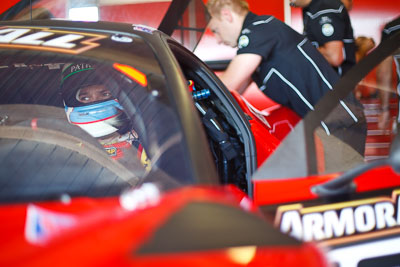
[
  {"x": 119, "y": 146},
  {"x": 107, "y": 158}
]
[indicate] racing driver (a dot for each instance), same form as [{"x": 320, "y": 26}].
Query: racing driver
[{"x": 89, "y": 103}]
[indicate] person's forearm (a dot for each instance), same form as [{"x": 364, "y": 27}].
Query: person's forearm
[
  {"x": 384, "y": 82},
  {"x": 237, "y": 76},
  {"x": 240, "y": 88}
]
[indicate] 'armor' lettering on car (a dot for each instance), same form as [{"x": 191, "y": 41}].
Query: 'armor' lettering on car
[{"x": 339, "y": 220}]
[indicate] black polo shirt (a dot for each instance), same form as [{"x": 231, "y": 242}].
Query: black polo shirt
[
  {"x": 328, "y": 20},
  {"x": 292, "y": 72}
]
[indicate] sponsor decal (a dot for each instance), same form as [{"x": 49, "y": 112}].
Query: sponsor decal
[
  {"x": 144, "y": 159},
  {"x": 327, "y": 29},
  {"x": 116, "y": 150},
  {"x": 121, "y": 38},
  {"x": 243, "y": 41},
  {"x": 42, "y": 225},
  {"x": 144, "y": 28},
  {"x": 353, "y": 218},
  {"x": 47, "y": 39},
  {"x": 111, "y": 151}
]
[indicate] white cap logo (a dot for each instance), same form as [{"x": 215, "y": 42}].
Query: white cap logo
[
  {"x": 243, "y": 41},
  {"x": 327, "y": 29}
]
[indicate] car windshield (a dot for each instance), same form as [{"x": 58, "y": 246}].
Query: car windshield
[
  {"x": 347, "y": 127},
  {"x": 75, "y": 121}
]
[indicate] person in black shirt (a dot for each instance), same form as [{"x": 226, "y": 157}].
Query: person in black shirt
[
  {"x": 384, "y": 74},
  {"x": 282, "y": 62},
  {"x": 327, "y": 25}
]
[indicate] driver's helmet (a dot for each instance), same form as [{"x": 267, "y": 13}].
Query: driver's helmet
[{"x": 89, "y": 103}]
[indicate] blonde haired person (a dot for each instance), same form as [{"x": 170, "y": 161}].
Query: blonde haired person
[
  {"x": 239, "y": 6},
  {"x": 282, "y": 62}
]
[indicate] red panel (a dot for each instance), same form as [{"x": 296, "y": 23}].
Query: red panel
[
  {"x": 56, "y": 7},
  {"x": 5, "y": 5},
  {"x": 299, "y": 189},
  {"x": 135, "y": 13},
  {"x": 271, "y": 7},
  {"x": 266, "y": 143},
  {"x": 286, "y": 190}
]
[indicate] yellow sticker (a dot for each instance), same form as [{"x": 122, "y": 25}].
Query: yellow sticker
[{"x": 47, "y": 39}]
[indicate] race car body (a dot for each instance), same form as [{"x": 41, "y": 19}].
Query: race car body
[
  {"x": 120, "y": 147},
  {"x": 191, "y": 226}
]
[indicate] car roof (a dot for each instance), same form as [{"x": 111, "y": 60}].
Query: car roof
[{"x": 111, "y": 27}]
